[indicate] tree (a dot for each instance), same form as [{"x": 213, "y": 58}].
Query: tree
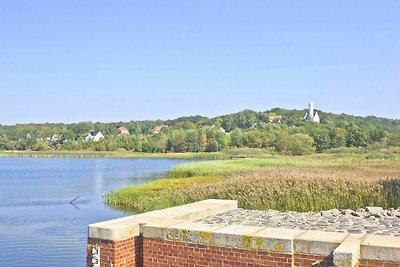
[
  {"x": 192, "y": 141},
  {"x": 320, "y": 134},
  {"x": 356, "y": 136},
  {"x": 283, "y": 141},
  {"x": 301, "y": 144},
  {"x": 338, "y": 137},
  {"x": 217, "y": 139},
  {"x": 177, "y": 141},
  {"x": 253, "y": 139},
  {"x": 237, "y": 138},
  {"x": 203, "y": 140},
  {"x": 41, "y": 145}
]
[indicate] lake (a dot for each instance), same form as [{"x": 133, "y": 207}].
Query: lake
[{"x": 38, "y": 225}]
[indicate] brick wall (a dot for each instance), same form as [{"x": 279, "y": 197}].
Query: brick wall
[
  {"x": 122, "y": 253},
  {"x": 365, "y": 263},
  {"x": 305, "y": 260},
  {"x": 171, "y": 253},
  {"x": 174, "y": 237},
  {"x": 145, "y": 252}
]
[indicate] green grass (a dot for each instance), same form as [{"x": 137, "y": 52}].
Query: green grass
[
  {"x": 226, "y": 167},
  {"x": 155, "y": 195}
]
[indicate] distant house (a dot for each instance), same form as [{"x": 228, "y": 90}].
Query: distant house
[
  {"x": 52, "y": 139},
  {"x": 158, "y": 128},
  {"x": 274, "y": 119},
  {"x": 95, "y": 136},
  {"x": 121, "y": 131}
]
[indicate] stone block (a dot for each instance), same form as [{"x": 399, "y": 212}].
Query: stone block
[
  {"x": 347, "y": 253},
  {"x": 275, "y": 239},
  {"x": 158, "y": 229},
  {"x": 381, "y": 248},
  {"x": 237, "y": 236},
  {"x": 318, "y": 242},
  {"x": 193, "y": 232},
  {"x": 130, "y": 226}
]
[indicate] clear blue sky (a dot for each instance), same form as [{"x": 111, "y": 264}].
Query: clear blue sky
[{"x": 74, "y": 60}]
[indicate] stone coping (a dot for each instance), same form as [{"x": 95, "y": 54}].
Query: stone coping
[
  {"x": 181, "y": 224},
  {"x": 346, "y": 248},
  {"x": 381, "y": 248},
  {"x": 129, "y": 226}
]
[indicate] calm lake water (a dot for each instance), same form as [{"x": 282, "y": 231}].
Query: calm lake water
[{"x": 38, "y": 225}]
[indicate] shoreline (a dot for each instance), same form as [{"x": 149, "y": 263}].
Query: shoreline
[{"x": 110, "y": 154}]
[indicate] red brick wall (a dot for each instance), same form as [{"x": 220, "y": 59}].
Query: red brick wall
[
  {"x": 139, "y": 252},
  {"x": 305, "y": 260},
  {"x": 365, "y": 263},
  {"x": 121, "y": 253},
  {"x": 170, "y": 253}
]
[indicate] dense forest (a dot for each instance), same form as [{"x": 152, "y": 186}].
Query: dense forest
[{"x": 290, "y": 134}]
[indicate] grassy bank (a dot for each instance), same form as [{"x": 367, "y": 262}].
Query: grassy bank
[
  {"x": 315, "y": 182},
  {"x": 157, "y": 194},
  {"x": 118, "y": 154}
]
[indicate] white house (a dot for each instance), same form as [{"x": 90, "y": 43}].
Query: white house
[
  {"x": 310, "y": 115},
  {"x": 95, "y": 136}
]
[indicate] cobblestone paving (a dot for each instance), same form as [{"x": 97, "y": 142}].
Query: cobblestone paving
[{"x": 372, "y": 220}]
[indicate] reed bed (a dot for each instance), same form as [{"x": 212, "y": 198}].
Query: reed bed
[
  {"x": 301, "y": 184},
  {"x": 302, "y": 189},
  {"x": 141, "y": 198}
]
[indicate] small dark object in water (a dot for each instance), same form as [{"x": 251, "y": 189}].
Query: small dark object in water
[{"x": 72, "y": 201}]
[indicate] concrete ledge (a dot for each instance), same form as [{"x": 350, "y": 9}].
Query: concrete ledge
[
  {"x": 347, "y": 253},
  {"x": 276, "y": 239},
  {"x": 237, "y": 236},
  {"x": 130, "y": 226},
  {"x": 188, "y": 232},
  {"x": 318, "y": 242},
  {"x": 381, "y": 248},
  {"x": 195, "y": 211},
  {"x": 158, "y": 229}
]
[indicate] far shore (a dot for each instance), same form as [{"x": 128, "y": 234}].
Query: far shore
[{"x": 109, "y": 154}]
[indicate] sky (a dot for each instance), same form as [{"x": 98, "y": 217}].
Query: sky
[{"x": 97, "y": 60}]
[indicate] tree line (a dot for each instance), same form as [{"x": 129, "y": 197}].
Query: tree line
[{"x": 247, "y": 128}]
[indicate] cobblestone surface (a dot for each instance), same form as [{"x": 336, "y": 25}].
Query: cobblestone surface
[{"x": 372, "y": 220}]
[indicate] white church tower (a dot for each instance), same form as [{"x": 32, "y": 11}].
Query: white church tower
[{"x": 311, "y": 116}]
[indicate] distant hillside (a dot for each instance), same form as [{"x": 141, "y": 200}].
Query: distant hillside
[{"x": 278, "y": 130}]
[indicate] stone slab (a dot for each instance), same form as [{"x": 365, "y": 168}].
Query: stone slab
[
  {"x": 318, "y": 242},
  {"x": 381, "y": 248},
  {"x": 347, "y": 253},
  {"x": 196, "y": 210},
  {"x": 118, "y": 229},
  {"x": 158, "y": 228},
  {"x": 192, "y": 232},
  {"x": 275, "y": 239},
  {"x": 237, "y": 236},
  {"x": 130, "y": 226}
]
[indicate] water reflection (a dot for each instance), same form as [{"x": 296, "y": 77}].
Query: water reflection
[{"x": 39, "y": 226}]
